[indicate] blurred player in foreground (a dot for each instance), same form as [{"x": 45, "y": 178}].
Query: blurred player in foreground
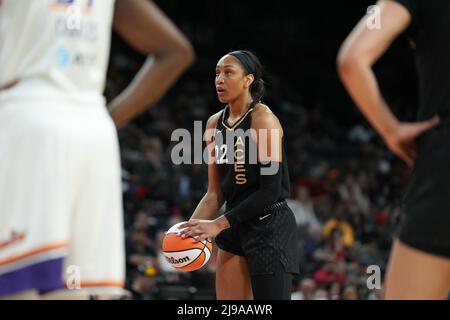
[
  {"x": 60, "y": 188},
  {"x": 419, "y": 266}
]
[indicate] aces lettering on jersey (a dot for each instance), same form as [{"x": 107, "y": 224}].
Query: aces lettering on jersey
[{"x": 238, "y": 159}]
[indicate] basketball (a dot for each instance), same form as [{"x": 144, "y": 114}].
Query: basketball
[{"x": 184, "y": 254}]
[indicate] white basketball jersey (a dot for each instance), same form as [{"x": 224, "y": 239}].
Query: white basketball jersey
[{"x": 56, "y": 47}]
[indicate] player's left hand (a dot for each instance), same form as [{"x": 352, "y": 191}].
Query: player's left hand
[
  {"x": 200, "y": 229},
  {"x": 402, "y": 140}
]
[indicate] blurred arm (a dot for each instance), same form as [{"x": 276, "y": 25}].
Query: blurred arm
[
  {"x": 145, "y": 27},
  {"x": 357, "y": 55},
  {"x": 359, "y": 52}
]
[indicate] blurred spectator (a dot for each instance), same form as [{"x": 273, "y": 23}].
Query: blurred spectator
[
  {"x": 351, "y": 193},
  {"x": 302, "y": 207},
  {"x": 305, "y": 290},
  {"x": 334, "y": 290},
  {"x": 377, "y": 294},
  {"x": 350, "y": 292},
  {"x": 140, "y": 251},
  {"x": 329, "y": 272},
  {"x": 339, "y": 230},
  {"x": 360, "y": 134},
  {"x": 321, "y": 294},
  {"x": 314, "y": 182},
  {"x": 142, "y": 265}
]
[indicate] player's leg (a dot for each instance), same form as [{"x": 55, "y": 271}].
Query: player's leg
[
  {"x": 271, "y": 247},
  {"x": 232, "y": 277},
  {"x": 33, "y": 200},
  {"x": 96, "y": 248},
  {"x": 419, "y": 266},
  {"x": 275, "y": 286},
  {"x": 415, "y": 274}
]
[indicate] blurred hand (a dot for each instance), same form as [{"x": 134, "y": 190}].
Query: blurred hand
[
  {"x": 402, "y": 141},
  {"x": 201, "y": 229}
]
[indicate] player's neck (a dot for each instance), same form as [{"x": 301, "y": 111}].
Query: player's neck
[{"x": 239, "y": 107}]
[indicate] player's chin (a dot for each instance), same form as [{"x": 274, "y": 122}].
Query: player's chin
[{"x": 222, "y": 99}]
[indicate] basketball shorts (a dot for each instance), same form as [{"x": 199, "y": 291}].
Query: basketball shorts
[
  {"x": 60, "y": 198},
  {"x": 269, "y": 243},
  {"x": 425, "y": 223}
]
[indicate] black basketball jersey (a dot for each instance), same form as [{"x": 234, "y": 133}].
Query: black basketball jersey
[
  {"x": 236, "y": 159},
  {"x": 430, "y": 28}
]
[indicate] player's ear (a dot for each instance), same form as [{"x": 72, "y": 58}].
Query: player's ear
[{"x": 249, "y": 80}]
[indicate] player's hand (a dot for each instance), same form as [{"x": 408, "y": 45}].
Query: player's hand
[
  {"x": 402, "y": 140},
  {"x": 201, "y": 229}
]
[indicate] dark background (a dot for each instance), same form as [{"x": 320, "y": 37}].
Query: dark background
[{"x": 298, "y": 42}]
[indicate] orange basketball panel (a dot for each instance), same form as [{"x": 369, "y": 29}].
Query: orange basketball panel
[
  {"x": 194, "y": 265},
  {"x": 172, "y": 242}
]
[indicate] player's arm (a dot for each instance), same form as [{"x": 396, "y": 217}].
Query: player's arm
[
  {"x": 268, "y": 135},
  {"x": 269, "y": 140},
  {"x": 146, "y": 28},
  {"x": 212, "y": 201},
  {"x": 200, "y": 225},
  {"x": 359, "y": 52}
]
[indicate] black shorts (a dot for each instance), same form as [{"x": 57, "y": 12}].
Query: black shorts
[
  {"x": 265, "y": 241},
  {"x": 425, "y": 223}
]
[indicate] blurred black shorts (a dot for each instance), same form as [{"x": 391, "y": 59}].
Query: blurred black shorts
[{"x": 425, "y": 223}]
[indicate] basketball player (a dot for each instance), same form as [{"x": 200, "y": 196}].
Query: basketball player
[
  {"x": 60, "y": 188},
  {"x": 419, "y": 266},
  {"x": 256, "y": 236}
]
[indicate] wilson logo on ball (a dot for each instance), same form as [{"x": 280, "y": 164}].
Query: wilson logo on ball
[
  {"x": 182, "y": 253},
  {"x": 172, "y": 260}
]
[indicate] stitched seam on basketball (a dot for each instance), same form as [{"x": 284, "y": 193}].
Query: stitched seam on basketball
[
  {"x": 183, "y": 250},
  {"x": 206, "y": 247},
  {"x": 193, "y": 260}
]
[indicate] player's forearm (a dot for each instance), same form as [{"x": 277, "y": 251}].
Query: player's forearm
[
  {"x": 208, "y": 206},
  {"x": 362, "y": 85},
  {"x": 149, "y": 85},
  {"x": 253, "y": 206}
]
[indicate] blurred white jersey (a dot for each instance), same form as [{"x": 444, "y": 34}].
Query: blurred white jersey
[
  {"x": 60, "y": 184},
  {"x": 58, "y": 47}
]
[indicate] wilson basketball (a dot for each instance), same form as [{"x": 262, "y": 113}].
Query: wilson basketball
[{"x": 184, "y": 254}]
